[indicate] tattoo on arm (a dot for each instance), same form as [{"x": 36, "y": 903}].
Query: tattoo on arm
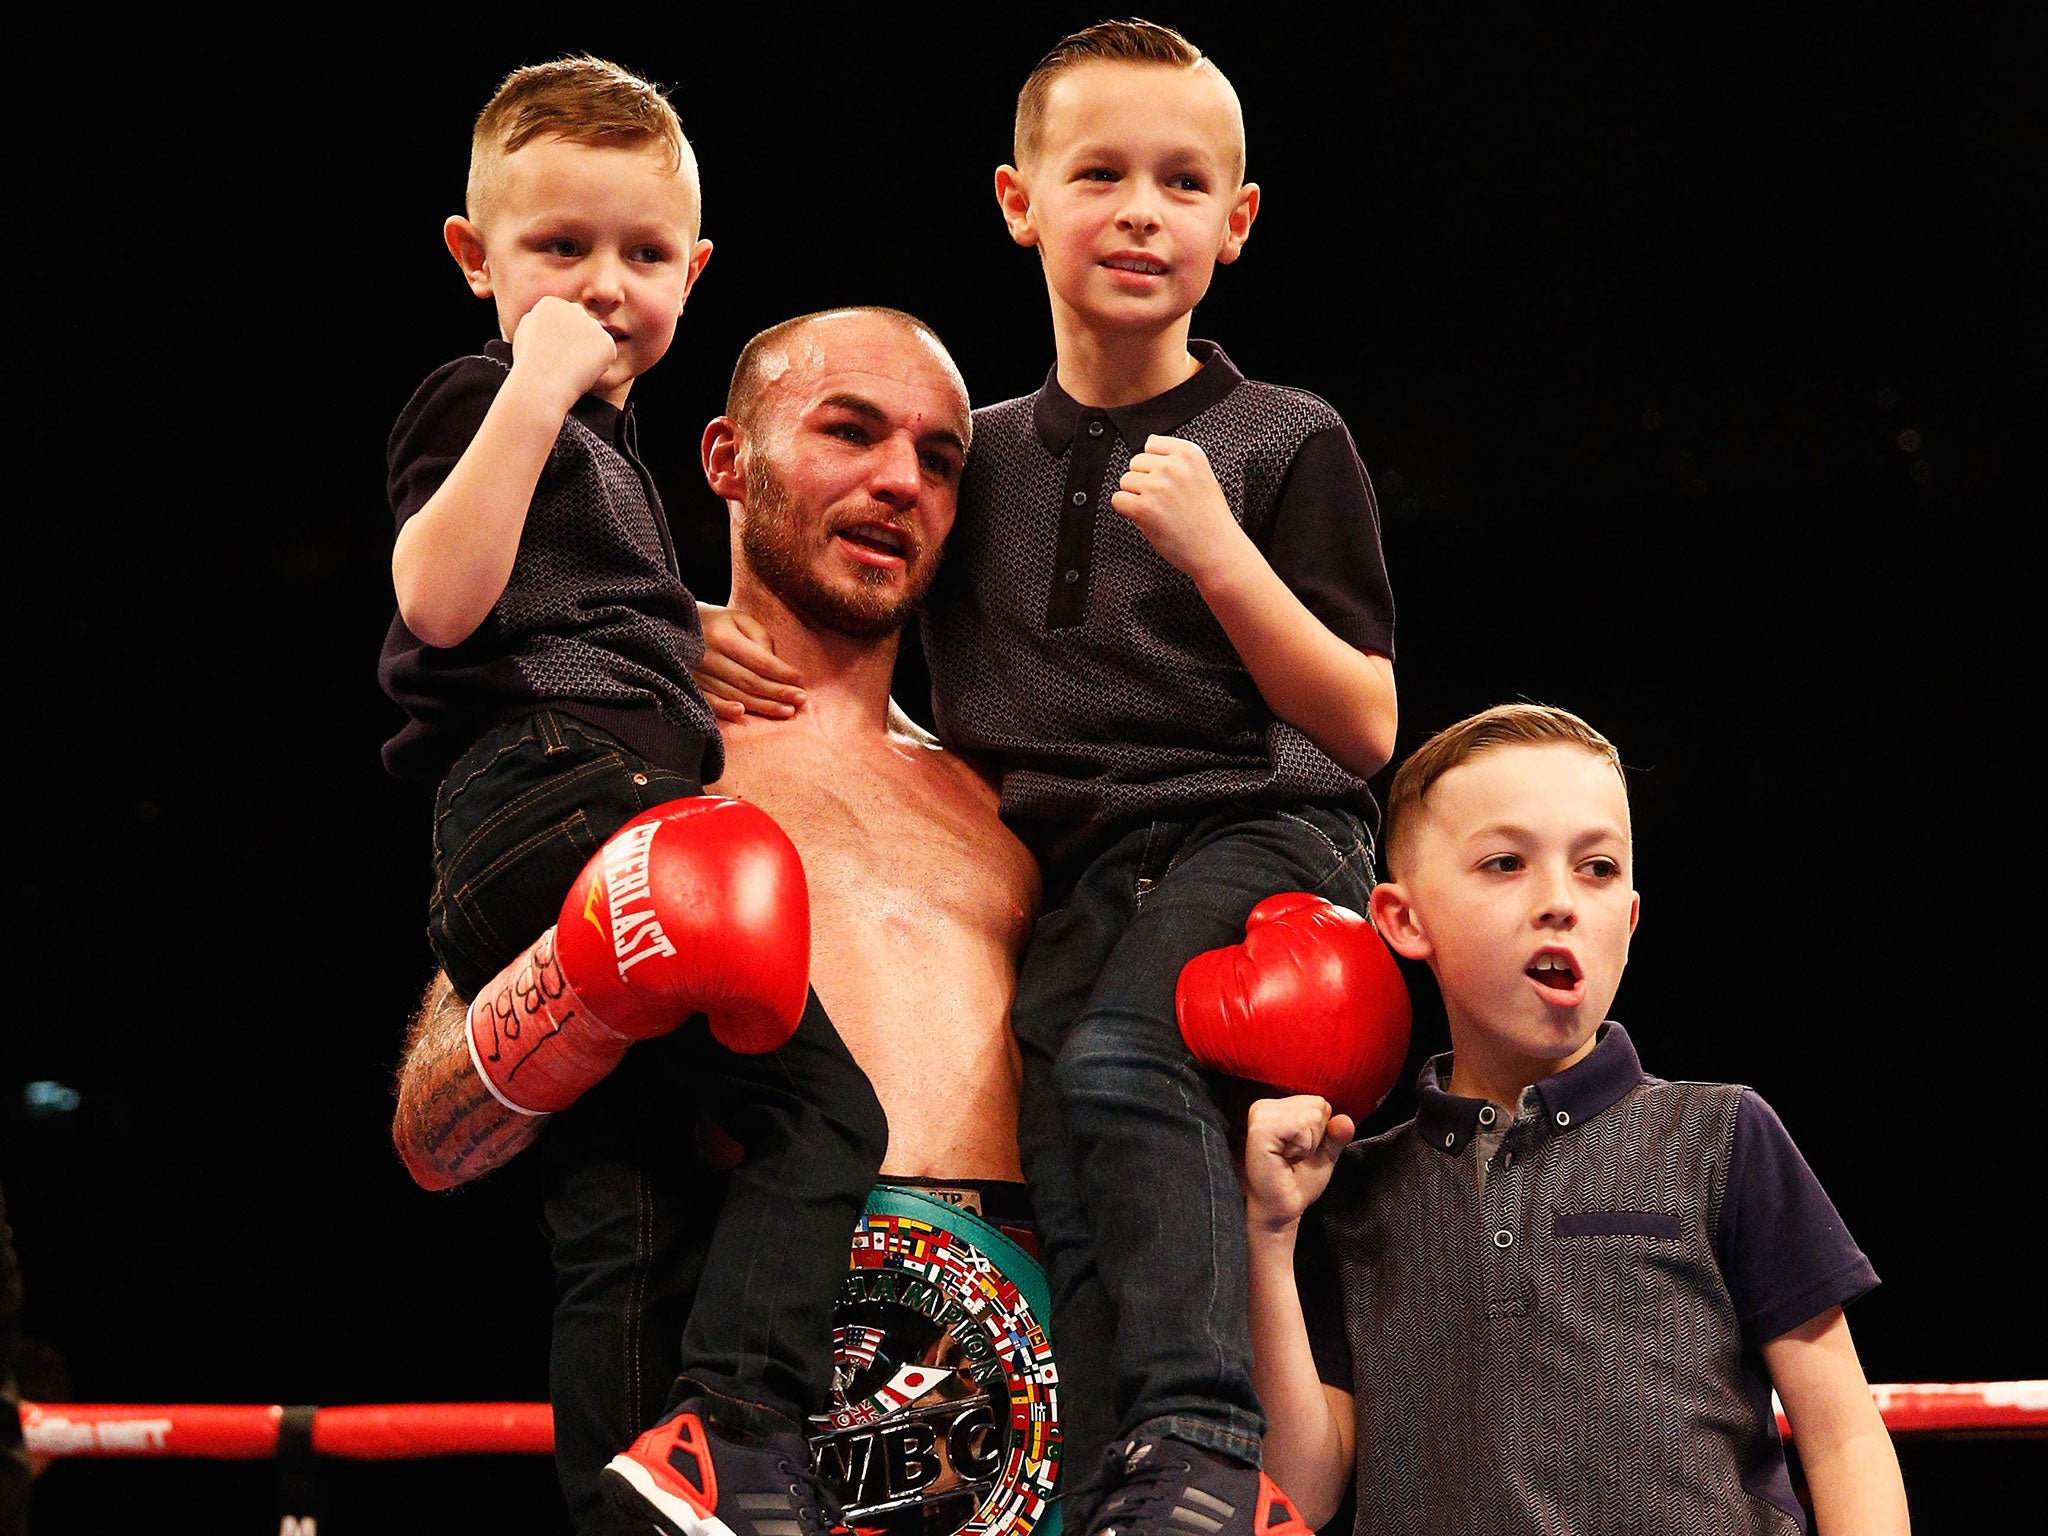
[{"x": 449, "y": 1129}]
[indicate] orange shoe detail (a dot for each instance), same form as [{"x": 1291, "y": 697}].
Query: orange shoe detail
[
  {"x": 657, "y": 1450},
  {"x": 1276, "y": 1514}
]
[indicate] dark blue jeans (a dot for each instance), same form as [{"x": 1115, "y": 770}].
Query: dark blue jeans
[
  {"x": 675, "y": 1278},
  {"x": 1130, "y": 1163}
]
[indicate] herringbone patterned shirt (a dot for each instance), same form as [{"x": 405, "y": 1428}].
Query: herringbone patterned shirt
[{"x": 1575, "y": 1347}]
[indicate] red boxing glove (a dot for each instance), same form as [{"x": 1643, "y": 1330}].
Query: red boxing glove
[
  {"x": 1310, "y": 1002},
  {"x": 697, "y": 906}
]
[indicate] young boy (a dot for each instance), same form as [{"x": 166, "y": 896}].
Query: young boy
[
  {"x": 1165, "y": 619},
  {"x": 1569, "y": 1288},
  {"x": 543, "y": 650}
]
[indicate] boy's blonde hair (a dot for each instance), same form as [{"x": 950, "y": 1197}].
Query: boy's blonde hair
[
  {"x": 583, "y": 99},
  {"x": 1504, "y": 725},
  {"x": 1135, "y": 41}
]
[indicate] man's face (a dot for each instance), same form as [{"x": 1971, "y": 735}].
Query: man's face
[
  {"x": 1520, "y": 893},
  {"x": 604, "y": 227},
  {"x": 1135, "y": 191},
  {"x": 853, "y": 473}
]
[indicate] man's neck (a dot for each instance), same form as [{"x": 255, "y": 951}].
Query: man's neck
[
  {"x": 1116, "y": 368},
  {"x": 846, "y": 678}
]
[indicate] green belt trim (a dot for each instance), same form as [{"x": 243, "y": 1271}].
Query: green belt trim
[{"x": 1018, "y": 1267}]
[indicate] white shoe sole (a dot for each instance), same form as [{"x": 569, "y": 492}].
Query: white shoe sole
[{"x": 647, "y": 1498}]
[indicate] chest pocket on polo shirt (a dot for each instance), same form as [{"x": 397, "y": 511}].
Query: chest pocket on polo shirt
[{"x": 1617, "y": 1224}]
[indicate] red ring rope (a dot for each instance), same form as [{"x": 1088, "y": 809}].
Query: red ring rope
[{"x": 399, "y": 1431}]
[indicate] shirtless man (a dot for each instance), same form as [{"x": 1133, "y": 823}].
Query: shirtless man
[{"x": 838, "y": 458}]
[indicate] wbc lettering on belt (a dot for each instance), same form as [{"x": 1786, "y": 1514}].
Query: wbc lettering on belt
[{"x": 945, "y": 1411}]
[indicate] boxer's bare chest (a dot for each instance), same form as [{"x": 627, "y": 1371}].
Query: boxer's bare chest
[{"x": 920, "y": 904}]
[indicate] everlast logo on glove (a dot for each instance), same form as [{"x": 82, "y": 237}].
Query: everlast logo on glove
[
  {"x": 636, "y": 931},
  {"x": 712, "y": 891}
]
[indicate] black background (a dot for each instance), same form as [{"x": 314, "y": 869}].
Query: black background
[{"x": 1692, "y": 356}]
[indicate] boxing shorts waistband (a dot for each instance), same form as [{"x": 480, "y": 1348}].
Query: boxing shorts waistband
[{"x": 1003, "y": 1203}]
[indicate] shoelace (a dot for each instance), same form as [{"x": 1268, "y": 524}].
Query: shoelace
[
  {"x": 1139, "y": 1491},
  {"x": 817, "y": 1512}
]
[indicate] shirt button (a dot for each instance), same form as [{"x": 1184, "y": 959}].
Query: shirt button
[
  {"x": 1450, "y": 1138},
  {"x": 1503, "y": 1238},
  {"x": 1563, "y": 1118},
  {"x": 1486, "y": 1114},
  {"x": 1080, "y": 498},
  {"x": 1095, "y": 429},
  {"x": 1071, "y": 576}
]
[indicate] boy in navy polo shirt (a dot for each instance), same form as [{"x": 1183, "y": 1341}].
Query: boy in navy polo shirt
[
  {"x": 543, "y": 649},
  {"x": 1164, "y": 619},
  {"x": 1568, "y": 1288}
]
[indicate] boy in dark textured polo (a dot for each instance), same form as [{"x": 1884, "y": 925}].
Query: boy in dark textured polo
[
  {"x": 1568, "y": 1288},
  {"x": 543, "y": 650},
  {"x": 1164, "y": 620}
]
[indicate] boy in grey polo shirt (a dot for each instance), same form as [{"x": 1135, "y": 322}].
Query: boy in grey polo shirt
[{"x": 1569, "y": 1288}]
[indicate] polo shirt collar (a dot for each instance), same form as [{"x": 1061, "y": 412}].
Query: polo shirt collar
[
  {"x": 1057, "y": 415},
  {"x": 612, "y": 423},
  {"x": 1576, "y": 1094}
]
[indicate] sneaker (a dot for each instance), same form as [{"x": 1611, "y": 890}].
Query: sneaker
[
  {"x": 1166, "y": 1487},
  {"x": 686, "y": 1479}
]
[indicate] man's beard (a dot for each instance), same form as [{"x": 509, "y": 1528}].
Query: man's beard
[{"x": 783, "y": 547}]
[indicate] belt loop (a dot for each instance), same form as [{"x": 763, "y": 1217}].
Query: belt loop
[{"x": 551, "y": 738}]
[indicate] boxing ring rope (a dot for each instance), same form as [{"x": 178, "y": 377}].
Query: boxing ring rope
[{"x": 404, "y": 1431}]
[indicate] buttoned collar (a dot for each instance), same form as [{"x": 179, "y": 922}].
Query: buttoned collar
[
  {"x": 1057, "y": 415},
  {"x": 1567, "y": 1099},
  {"x": 612, "y": 423}
]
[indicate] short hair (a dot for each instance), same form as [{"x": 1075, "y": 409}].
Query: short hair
[
  {"x": 1134, "y": 41},
  {"x": 750, "y": 375},
  {"x": 583, "y": 99},
  {"x": 1504, "y": 725}
]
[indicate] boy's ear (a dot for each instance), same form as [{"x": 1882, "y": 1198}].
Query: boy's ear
[
  {"x": 465, "y": 243},
  {"x": 1013, "y": 196},
  {"x": 1239, "y": 226},
  {"x": 724, "y": 465},
  {"x": 699, "y": 256},
  {"x": 1398, "y": 923}
]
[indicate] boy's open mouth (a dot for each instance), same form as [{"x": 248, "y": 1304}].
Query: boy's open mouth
[
  {"x": 1556, "y": 975},
  {"x": 1136, "y": 264}
]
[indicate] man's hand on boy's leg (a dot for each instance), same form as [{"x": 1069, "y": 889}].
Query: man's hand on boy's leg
[
  {"x": 740, "y": 673},
  {"x": 1290, "y": 1147},
  {"x": 1170, "y": 492}
]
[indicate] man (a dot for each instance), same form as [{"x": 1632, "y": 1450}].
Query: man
[{"x": 838, "y": 459}]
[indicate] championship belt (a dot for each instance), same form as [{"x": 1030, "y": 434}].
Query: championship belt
[{"x": 945, "y": 1410}]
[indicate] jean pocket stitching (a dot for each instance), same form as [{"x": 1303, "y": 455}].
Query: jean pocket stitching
[
  {"x": 465, "y": 896},
  {"x": 519, "y": 804},
  {"x": 1361, "y": 846}
]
